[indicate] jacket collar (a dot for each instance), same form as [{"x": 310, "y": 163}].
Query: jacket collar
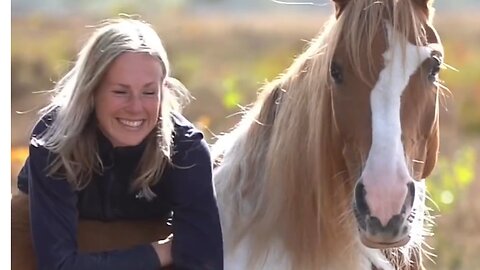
[{"x": 108, "y": 153}]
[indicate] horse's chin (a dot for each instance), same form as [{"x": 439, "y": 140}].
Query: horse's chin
[{"x": 383, "y": 245}]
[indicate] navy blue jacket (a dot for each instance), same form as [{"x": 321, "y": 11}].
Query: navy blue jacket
[{"x": 187, "y": 191}]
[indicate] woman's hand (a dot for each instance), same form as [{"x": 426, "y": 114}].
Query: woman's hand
[{"x": 164, "y": 250}]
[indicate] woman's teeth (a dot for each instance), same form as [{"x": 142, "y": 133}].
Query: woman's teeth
[{"x": 131, "y": 123}]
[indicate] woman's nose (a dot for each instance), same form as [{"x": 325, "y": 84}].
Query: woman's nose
[{"x": 135, "y": 104}]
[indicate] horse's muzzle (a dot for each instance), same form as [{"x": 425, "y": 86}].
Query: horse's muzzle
[{"x": 374, "y": 234}]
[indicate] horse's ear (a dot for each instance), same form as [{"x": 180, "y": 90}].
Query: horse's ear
[
  {"x": 425, "y": 5},
  {"x": 339, "y": 6}
]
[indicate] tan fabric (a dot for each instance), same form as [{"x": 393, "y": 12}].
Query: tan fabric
[{"x": 93, "y": 236}]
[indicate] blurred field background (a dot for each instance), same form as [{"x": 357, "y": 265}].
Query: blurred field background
[{"x": 224, "y": 51}]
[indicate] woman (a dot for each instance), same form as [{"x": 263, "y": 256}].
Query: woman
[{"x": 112, "y": 145}]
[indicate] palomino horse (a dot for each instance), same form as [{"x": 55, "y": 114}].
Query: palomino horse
[{"x": 327, "y": 169}]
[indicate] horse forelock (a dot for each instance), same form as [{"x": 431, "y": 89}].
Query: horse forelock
[{"x": 284, "y": 171}]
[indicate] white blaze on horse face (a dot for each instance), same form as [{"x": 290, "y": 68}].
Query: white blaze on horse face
[{"x": 386, "y": 174}]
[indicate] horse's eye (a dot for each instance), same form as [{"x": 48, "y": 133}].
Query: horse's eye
[
  {"x": 435, "y": 68},
  {"x": 336, "y": 73}
]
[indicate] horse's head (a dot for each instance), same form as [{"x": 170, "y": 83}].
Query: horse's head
[{"x": 384, "y": 85}]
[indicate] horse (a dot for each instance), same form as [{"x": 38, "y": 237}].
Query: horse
[{"x": 327, "y": 169}]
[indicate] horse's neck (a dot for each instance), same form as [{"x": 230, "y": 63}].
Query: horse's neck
[
  {"x": 236, "y": 194},
  {"x": 240, "y": 182},
  {"x": 236, "y": 179}
]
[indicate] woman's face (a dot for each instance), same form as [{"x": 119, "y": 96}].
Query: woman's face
[{"x": 127, "y": 102}]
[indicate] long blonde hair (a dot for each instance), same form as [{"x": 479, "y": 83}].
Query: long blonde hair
[{"x": 72, "y": 134}]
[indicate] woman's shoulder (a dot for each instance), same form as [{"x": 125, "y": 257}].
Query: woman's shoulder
[
  {"x": 43, "y": 124},
  {"x": 189, "y": 142},
  {"x": 185, "y": 131}
]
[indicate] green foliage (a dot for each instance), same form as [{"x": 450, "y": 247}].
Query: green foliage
[
  {"x": 451, "y": 178},
  {"x": 232, "y": 97},
  {"x": 463, "y": 55},
  {"x": 453, "y": 244}
]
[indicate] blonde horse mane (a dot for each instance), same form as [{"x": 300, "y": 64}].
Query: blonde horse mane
[{"x": 285, "y": 179}]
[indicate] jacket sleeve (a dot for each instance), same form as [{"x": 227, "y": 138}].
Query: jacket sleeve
[
  {"x": 54, "y": 221},
  {"x": 197, "y": 241}
]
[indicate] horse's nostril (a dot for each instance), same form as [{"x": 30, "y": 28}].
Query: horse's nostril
[
  {"x": 360, "y": 207},
  {"x": 360, "y": 201},
  {"x": 410, "y": 195}
]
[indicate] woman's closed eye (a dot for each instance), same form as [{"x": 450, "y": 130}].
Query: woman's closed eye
[
  {"x": 150, "y": 92},
  {"x": 120, "y": 92}
]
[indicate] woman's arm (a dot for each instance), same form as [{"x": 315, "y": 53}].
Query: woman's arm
[
  {"x": 54, "y": 223},
  {"x": 197, "y": 241}
]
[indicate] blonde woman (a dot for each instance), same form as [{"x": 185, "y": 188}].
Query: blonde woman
[{"x": 112, "y": 145}]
